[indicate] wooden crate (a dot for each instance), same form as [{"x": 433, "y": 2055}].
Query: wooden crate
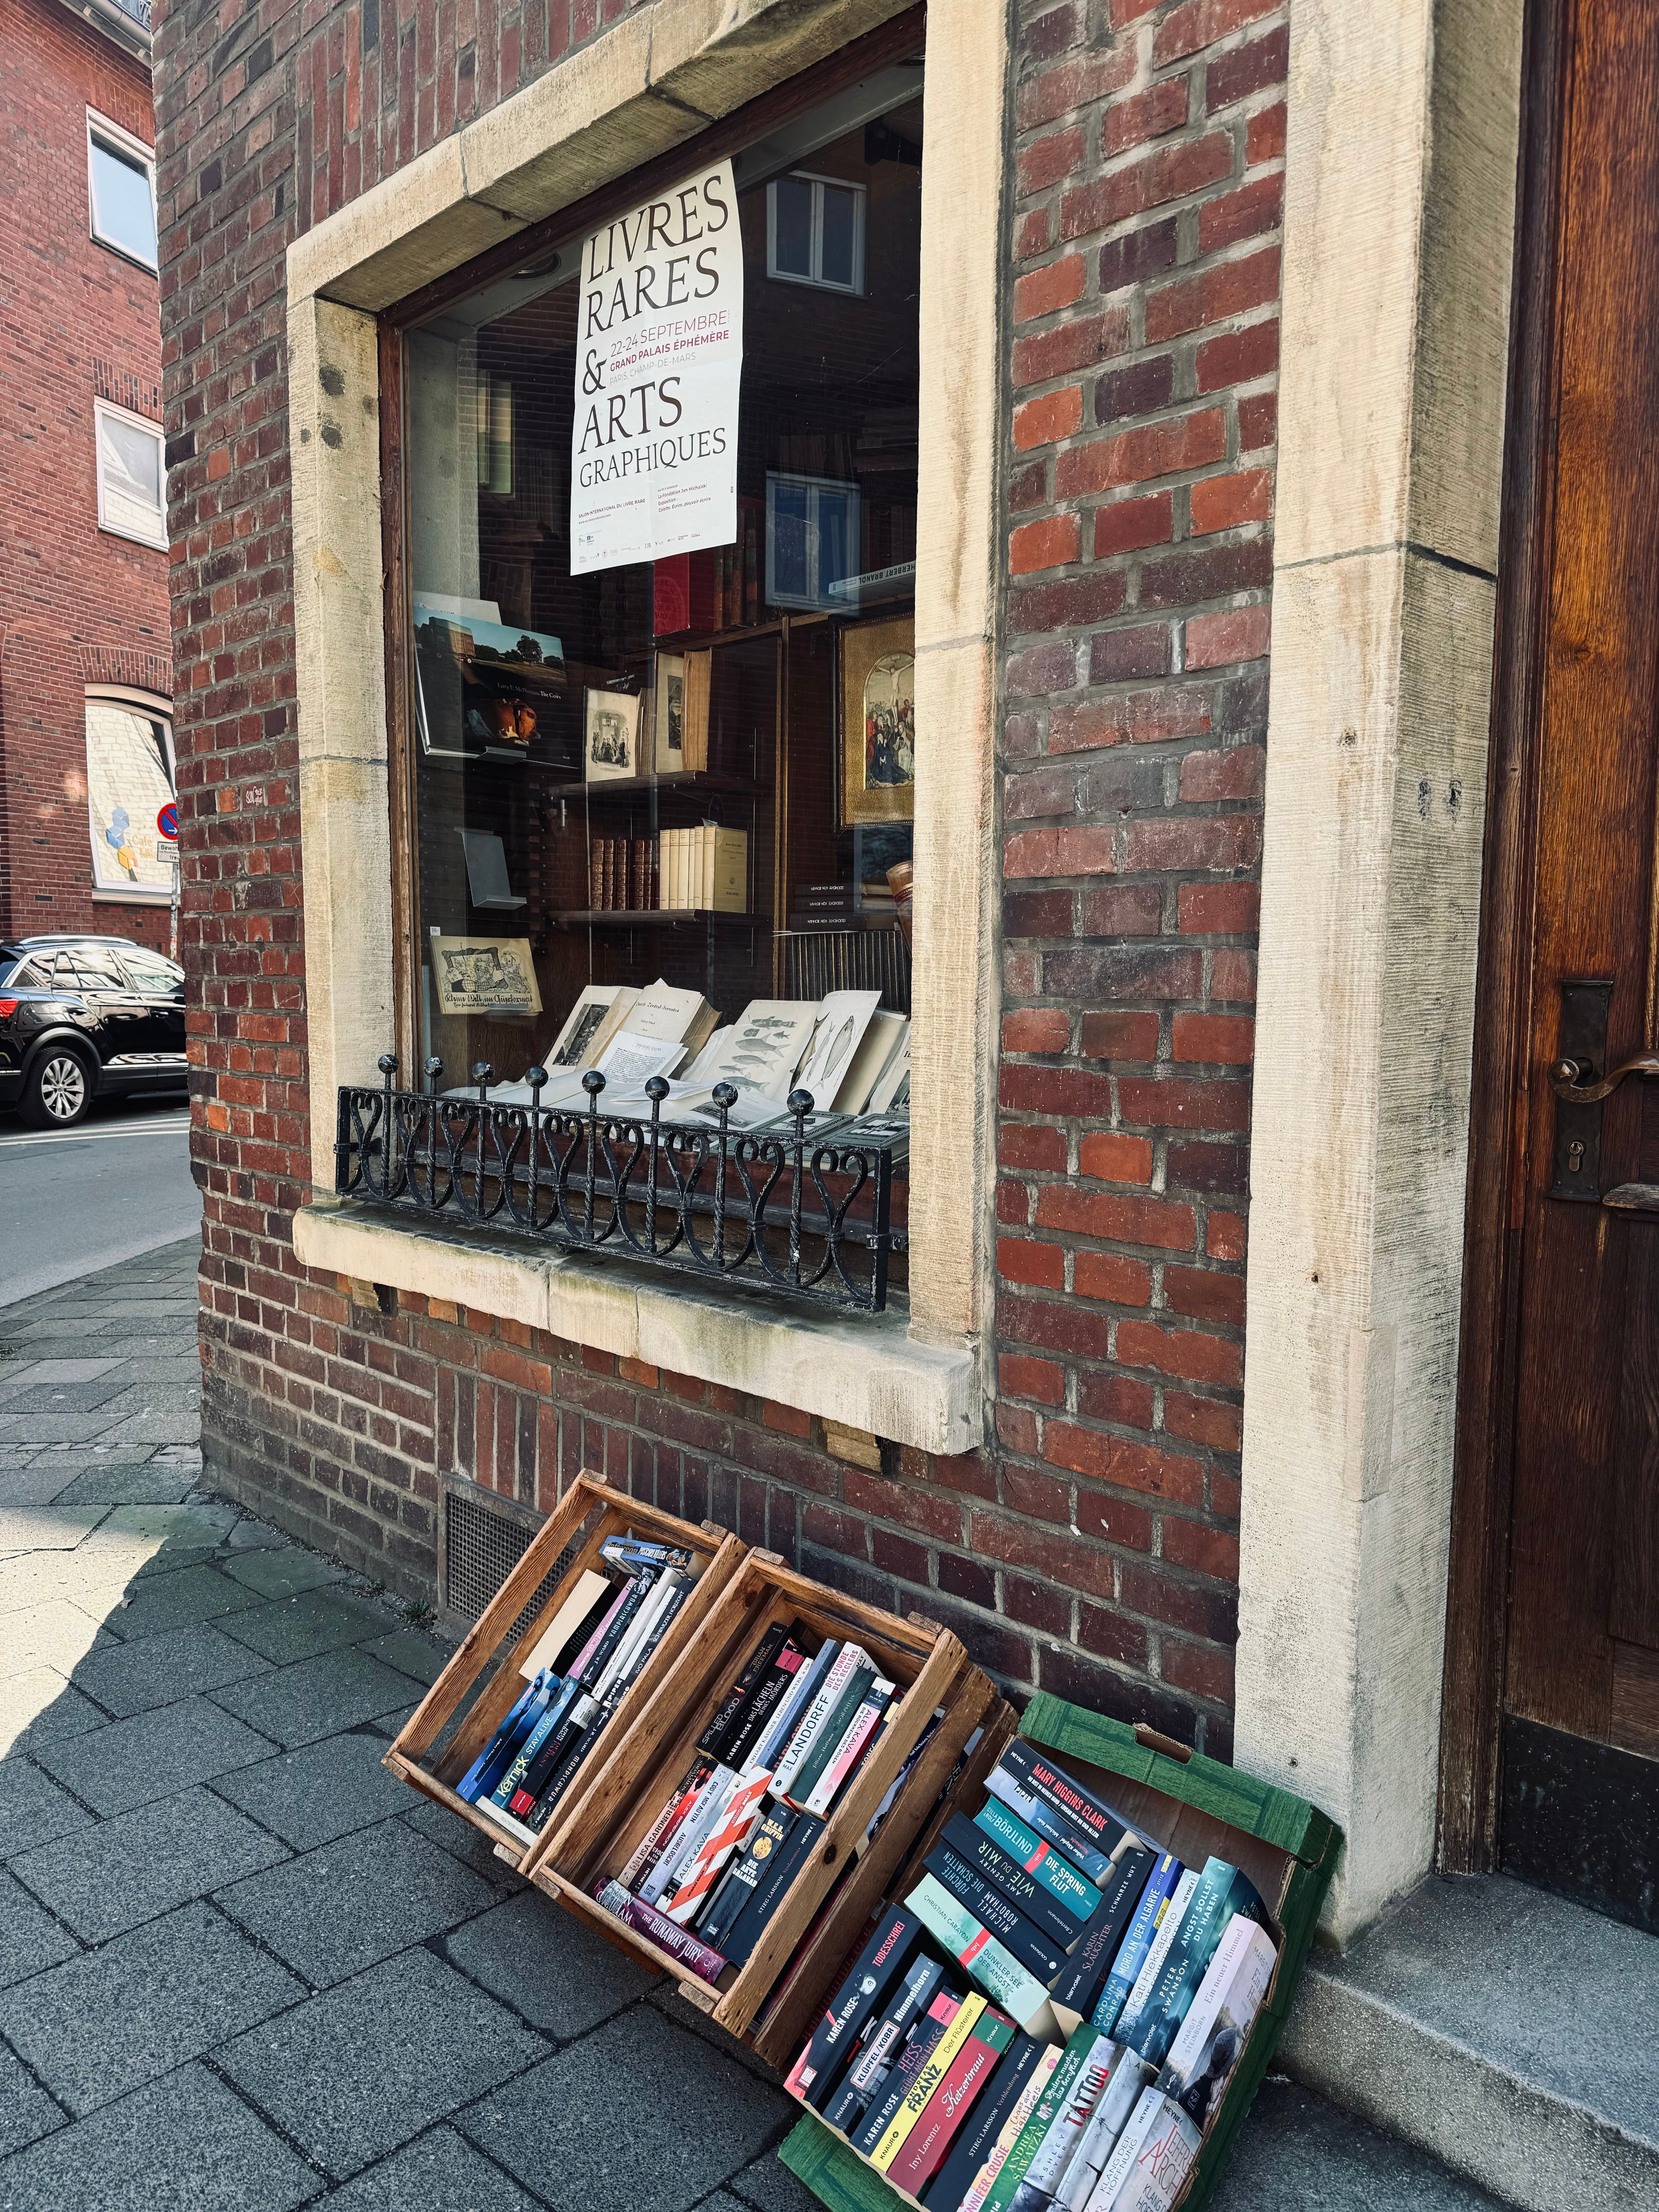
[
  {"x": 1193, "y": 1807},
  {"x": 433, "y": 1755},
  {"x": 931, "y": 1670}
]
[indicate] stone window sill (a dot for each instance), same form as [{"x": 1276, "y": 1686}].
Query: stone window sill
[{"x": 862, "y": 1371}]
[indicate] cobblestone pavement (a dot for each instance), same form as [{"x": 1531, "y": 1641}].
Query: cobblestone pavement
[{"x": 240, "y": 1965}]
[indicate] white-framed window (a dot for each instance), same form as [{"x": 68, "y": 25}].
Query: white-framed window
[
  {"x": 132, "y": 492},
  {"x": 121, "y": 190},
  {"x": 811, "y": 540},
  {"x": 130, "y": 777},
  {"x": 814, "y": 232}
]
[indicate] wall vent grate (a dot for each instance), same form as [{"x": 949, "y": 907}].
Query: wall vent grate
[{"x": 481, "y": 1549}]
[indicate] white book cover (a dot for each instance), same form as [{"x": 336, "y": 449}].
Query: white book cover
[
  {"x": 791, "y": 1706},
  {"x": 892, "y": 1087},
  {"x": 844, "y": 1017},
  {"x": 665, "y": 1013},
  {"x": 1052, "y": 2157},
  {"x": 582, "y": 1025},
  {"x": 762, "y": 1049},
  {"x": 883, "y": 1038},
  {"x": 629, "y": 1061},
  {"x": 1146, "y": 2171},
  {"x": 1129, "y": 2075},
  {"x": 687, "y": 1840},
  {"x": 1210, "y": 2039},
  {"x": 616, "y": 1666},
  {"x": 590, "y": 1587},
  {"x": 849, "y": 1660},
  {"x": 1147, "y": 1980}
]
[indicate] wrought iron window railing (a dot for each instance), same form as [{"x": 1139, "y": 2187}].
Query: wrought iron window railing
[{"x": 799, "y": 1212}]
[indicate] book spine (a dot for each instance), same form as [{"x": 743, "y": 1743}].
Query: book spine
[
  {"x": 596, "y": 873},
  {"x": 584, "y": 1658},
  {"x": 650, "y": 1848},
  {"x": 581, "y": 1741},
  {"x": 965, "y": 2079},
  {"x": 1055, "y": 2153},
  {"x": 1033, "y": 1950},
  {"x": 1011, "y": 2131},
  {"x": 634, "y": 1596},
  {"x": 1199, "y": 2065},
  {"x": 619, "y": 1669},
  {"x": 742, "y": 1812},
  {"x": 874, "y": 2062},
  {"x": 1133, "y": 2017},
  {"x": 1129, "y": 2076},
  {"x": 1040, "y": 1778},
  {"x": 727, "y": 1905},
  {"x": 996, "y": 1969},
  {"x": 788, "y": 1862},
  {"x": 860, "y": 1730},
  {"x": 827, "y": 1739},
  {"x": 923, "y": 2040},
  {"x": 927, "y": 2078},
  {"x": 765, "y": 1702},
  {"x": 1221, "y": 1891},
  {"x": 878, "y": 1967},
  {"x": 977, "y": 2138},
  {"x": 1151, "y": 2158},
  {"x": 708, "y": 1965},
  {"x": 1132, "y": 1952},
  {"x": 1041, "y": 2118},
  {"x": 479, "y": 1780},
  {"x": 679, "y": 1848},
  {"x": 1040, "y": 1860},
  {"x": 1052, "y": 1826},
  {"x": 1023, "y": 1890},
  {"x": 848, "y": 1659},
  {"x": 723, "y": 1724},
  {"x": 804, "y": 1688},
  {"x": 557, "y": 1706}
]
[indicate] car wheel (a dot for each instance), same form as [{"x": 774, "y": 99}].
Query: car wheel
[{"x": 59, "y": 1091}]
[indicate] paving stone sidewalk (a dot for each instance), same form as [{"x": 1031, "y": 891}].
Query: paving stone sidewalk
[{"x": 240, "y": 1966}]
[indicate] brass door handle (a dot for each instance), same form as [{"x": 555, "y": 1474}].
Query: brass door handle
[{"x": 1569, "y": 1079}]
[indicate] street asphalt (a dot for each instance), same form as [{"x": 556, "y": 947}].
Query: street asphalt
[
  {"x": 242, "y": 1967},
  {"x": 74, "y": 1200}
]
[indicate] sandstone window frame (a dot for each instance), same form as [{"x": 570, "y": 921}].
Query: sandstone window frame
[{"x": 671, "y": 83}]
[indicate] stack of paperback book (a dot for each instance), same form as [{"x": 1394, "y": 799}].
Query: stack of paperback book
[
  {"x": 1050, "y": 2017},
  {"x": 578, "y": 1672},
  {"x": 770, "y": 1766}
]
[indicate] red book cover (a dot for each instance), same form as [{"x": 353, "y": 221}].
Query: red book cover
[{"x": 923, "y": 2150}]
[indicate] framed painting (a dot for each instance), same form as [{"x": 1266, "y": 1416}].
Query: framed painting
[{"x": 879, "y": 720}]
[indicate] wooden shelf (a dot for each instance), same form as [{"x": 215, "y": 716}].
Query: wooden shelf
[{"x": 652, "y": 917}]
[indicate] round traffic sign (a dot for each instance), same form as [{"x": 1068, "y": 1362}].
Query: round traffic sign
[{"x": 166, "y": 822}]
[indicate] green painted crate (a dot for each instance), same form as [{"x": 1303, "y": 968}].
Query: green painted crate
[{"x": 1286, "y": 1846}]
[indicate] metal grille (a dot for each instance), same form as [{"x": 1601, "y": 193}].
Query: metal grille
[{"x": 481, "y": 1549}]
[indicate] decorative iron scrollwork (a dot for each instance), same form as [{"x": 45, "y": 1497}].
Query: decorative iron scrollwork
[{"x": 808, "y": 1215}]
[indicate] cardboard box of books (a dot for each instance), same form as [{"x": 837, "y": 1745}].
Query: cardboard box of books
[
  {"x": 742, "y": 1832},
  {"x": 514, "y": 1730},
  {"x": 1068, "y": 1999}
]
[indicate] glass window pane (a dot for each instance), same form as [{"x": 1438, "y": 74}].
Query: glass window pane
[
  {"x": 127, "y": 785},
  {"x": 791, "y": 566},
  {"x": 793, "y": 219},
  {"x": 123, "y": 210},
  {"x": 840, "y": 219},
  {"x": 155, "y": 977},
  {"x": 129, "y": 467},
  {"x": 835, "y": 550}
]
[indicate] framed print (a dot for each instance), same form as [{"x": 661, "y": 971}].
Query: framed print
[
  {"x": 612, "y": 735},
  {"x": 485, "y": 975},
  {"x": 878, "y": 721},
  {"x": 669, "y": 703}
]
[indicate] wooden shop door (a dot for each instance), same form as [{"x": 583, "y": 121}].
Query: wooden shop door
[{"x": 1577, "y": 1789}]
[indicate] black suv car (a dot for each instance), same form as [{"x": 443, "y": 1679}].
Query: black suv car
[{"x": 86, "y": 1018}]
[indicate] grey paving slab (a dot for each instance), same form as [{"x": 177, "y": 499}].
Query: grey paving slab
[
  {"x": 201, "y": 1523},
  {"x": 117, "y": 1873},
  {"x": 154, "y": 1754},
  {"x": 159, "y": 1670},
  {"x": 38, "y": 1374},
  {"x": 1295, "y": 2154},
  {"x": 34, "y": 1482},
  {"x": 27, "y": 2113},
  {"x": 37, "y": 1704},
  {"x": 103, "y": 2023},
  {"x": 439, "y": 2173},
  {"x": 362, "y": 2068},
  {"x": 47, "y": 1527},
  {"x": 543, "y": 2123},
  {"x": 312, "y": 1795},
  {"x": 300, "y": 1627},
  {"x": 147, "y": 1482},
  {"x": 461, "y": 1839},
  {"x": 164, "y": 1601},
  {"x": 45, "y": 1394},
  {"x": 30, "y": 1939},
  {"x": 555, "y": 1970},
  {"x": 349, "y": 1904},
  {"x": 283, "y": 1572},
  {"x": 32, "y": 1808},
  {"x": 412, "y": 1654},
  {"x": 315, "y": 1698},
  {"x": 184, "y": 2144}
]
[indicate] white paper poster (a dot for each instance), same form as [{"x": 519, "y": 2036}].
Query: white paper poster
[{"x": 658, "y": 361}]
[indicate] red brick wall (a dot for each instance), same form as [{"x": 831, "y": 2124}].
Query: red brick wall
[
  {"x": 1140, "y": 471},
  {"x": 1091, "y": 1546},
  {"x": 77, "y": 605}
]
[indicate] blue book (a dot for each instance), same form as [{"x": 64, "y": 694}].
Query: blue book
[
  {"x": 1222, "y": 1892},
  {"x": 496, "y": 1756},
  {"x": 1162, "y": 1884},
  {"x": 1088, "y": 1858},
  {"x": 561, "y": 1698}
]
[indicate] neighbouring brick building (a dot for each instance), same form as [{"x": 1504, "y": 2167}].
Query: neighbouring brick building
[
  {"x": 1204, "y": 638},
  {"x": 86, "y": 667}
]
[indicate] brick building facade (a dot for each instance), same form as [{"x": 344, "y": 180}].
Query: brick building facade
[
  {"x": 1091, "y": 1545},
  {"x": 80, "y": 606}
]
